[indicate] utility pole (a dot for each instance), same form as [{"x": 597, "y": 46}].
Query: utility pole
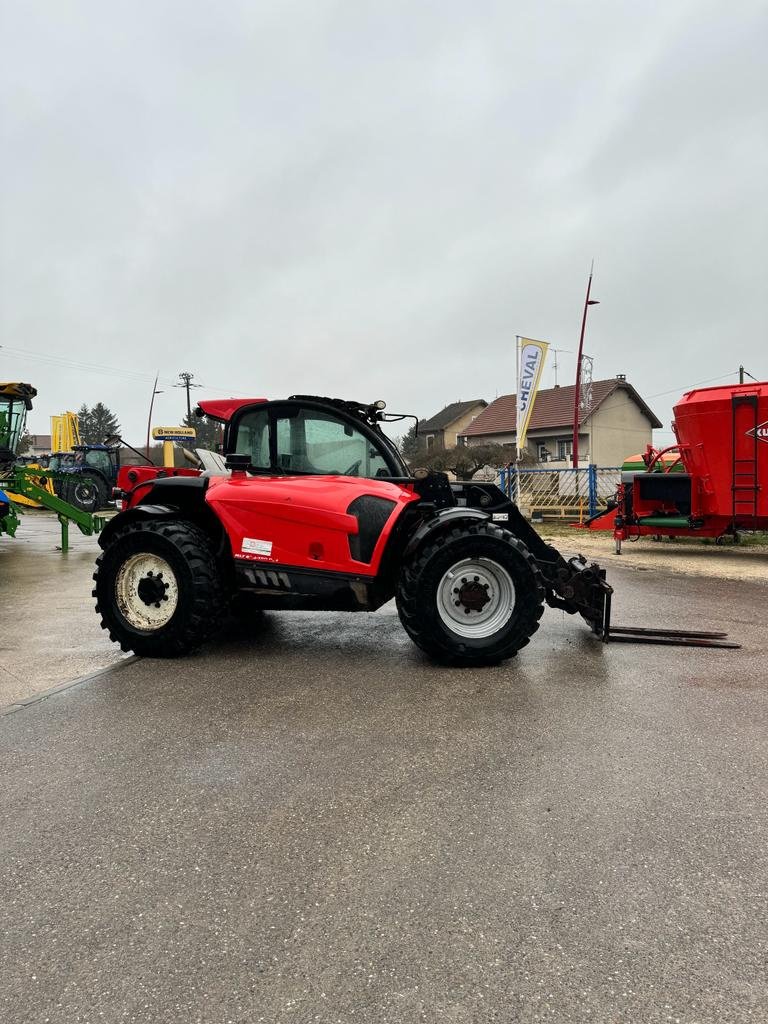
[
  {"x": 741, "y": 375},
  {"x": 151, "y": 406},
  {"x": 186, "y": 383},
  {"x": 577, "y": 393}
]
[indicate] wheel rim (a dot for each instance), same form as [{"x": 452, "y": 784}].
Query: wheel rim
[
  {"x": 85, "y": 493},
  {"x": 146, "y": 591},
  {"x": 475, "y": 598}
]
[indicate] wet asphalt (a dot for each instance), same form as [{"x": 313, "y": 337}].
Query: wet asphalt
[
  {"x": 315, "y": 824},
  {"x": 47, "y": 620}
]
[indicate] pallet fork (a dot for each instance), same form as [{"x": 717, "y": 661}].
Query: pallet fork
[{"x": 611, "y": 633}]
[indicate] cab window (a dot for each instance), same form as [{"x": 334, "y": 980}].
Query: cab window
[
  {"x": 312, "y": 441},
  {"x": 253, "y": 438},
  {"x": 99, "y": 460}
]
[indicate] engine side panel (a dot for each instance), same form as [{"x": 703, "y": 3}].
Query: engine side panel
[{"x": 316, "y": 523}]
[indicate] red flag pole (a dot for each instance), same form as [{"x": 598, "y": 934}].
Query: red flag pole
[{"x": 577, "y": 395}]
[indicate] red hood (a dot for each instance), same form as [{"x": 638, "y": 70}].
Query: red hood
[{"x": 221, "y": 409}]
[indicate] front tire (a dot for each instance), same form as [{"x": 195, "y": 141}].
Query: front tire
[
  {"x": 472, "y": 597},
  {"x": 158, "y": 588}
]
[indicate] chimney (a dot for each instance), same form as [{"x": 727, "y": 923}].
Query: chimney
[{"x": 621, "y": 376}]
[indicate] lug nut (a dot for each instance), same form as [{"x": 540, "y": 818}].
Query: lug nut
[
  {"x": 476, "y": 579},
  {"x": 457, "y": 603}
]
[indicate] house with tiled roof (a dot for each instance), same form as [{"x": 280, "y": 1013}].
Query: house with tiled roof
[
  {"x": 442, "y": 429},
  {"x": 617, "y": 422}
]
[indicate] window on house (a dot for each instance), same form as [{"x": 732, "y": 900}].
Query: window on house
[
  {"x": 542, "y": 452},
  {"x": 430, "y": 440},
  {"x": 564, "y": 449}
]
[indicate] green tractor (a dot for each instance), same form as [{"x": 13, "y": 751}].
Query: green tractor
[{"x": 35, "y": 485}]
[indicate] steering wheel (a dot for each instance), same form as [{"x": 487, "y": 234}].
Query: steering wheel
[{"x": 353, "y": 469}]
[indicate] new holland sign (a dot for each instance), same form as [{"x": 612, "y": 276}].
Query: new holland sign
[
  {"x": 760, "y": 432},
  {"x": 173, "y": 433}
]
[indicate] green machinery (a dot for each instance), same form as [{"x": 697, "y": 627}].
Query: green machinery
[{"x": 27, "y": 481}]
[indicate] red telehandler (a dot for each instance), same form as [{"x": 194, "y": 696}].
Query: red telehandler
[
  {"x": 315, "y": 509},
  {"x": 712, "y": 483}
]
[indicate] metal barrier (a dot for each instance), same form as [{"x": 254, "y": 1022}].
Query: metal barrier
[{"x": 560, "y": 493}]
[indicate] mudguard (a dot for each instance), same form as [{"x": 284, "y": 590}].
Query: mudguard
[
  {"x": 135, "y": 515},
  {"x": 443, "y": 519}
]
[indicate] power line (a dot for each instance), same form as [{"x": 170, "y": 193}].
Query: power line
[
  {"x": 690, "y": 387},
  {"x": 76, "y": 364},
  {"x": 134, "y": 376}
]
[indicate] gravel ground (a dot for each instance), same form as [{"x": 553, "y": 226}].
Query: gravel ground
[{"x": 727, "y": 562}]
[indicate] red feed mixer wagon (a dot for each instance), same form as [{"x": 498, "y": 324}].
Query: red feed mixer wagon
[{"x": 712, "y": 483}]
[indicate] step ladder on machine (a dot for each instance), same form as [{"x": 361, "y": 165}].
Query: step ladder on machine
[{"x": 745, "y": 487}]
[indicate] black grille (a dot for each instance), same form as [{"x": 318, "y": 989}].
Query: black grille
[{"x": 371, "y": 514}]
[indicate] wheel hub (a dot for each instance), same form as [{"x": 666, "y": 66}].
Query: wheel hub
[
  {"x": 146, "y": 591},
  {"x": 476, "y": 598},
  {"x": 472, "y": 595},
  {"x": 152, "y": 589}
]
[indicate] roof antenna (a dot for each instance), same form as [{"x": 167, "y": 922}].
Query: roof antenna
[{"x": 555, "y": 363}]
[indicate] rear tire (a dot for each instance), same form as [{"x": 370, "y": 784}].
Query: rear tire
[
  {"x": 85, "y": 492},
  {"x": 158, "y": 588},
  {"x": 472, "y": 597}
]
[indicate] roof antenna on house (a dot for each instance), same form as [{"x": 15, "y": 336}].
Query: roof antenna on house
[{"x": 555, "y": 363}]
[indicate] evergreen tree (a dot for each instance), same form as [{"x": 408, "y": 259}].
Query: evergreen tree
[
  {"x": 96, "y": 423},
  {"x": 84, "y": 421},
  {"x": 208, "y": 433}
]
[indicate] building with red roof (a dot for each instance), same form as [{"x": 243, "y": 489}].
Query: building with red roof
[{"x": 616, "y": 423}]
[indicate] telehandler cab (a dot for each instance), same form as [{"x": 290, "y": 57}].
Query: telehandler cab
[{"x": 318, "y": 511}]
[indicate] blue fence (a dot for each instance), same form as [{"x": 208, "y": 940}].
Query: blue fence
[{"x": 561, "y": 493}]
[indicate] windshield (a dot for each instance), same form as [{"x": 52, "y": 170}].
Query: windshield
[
  {"x": 13, "y": 415},
  {"x": 311, "y": 441},
  {"x": 99, "y": 459}
]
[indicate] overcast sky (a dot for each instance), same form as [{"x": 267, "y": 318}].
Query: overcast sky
[{"x": 370, "y": 200}]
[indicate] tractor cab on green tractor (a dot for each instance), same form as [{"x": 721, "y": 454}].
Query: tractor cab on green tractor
[{"x": 15, "y": 403}]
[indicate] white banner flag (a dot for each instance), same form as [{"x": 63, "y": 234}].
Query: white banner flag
[{"x": 530, "y": 365}]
